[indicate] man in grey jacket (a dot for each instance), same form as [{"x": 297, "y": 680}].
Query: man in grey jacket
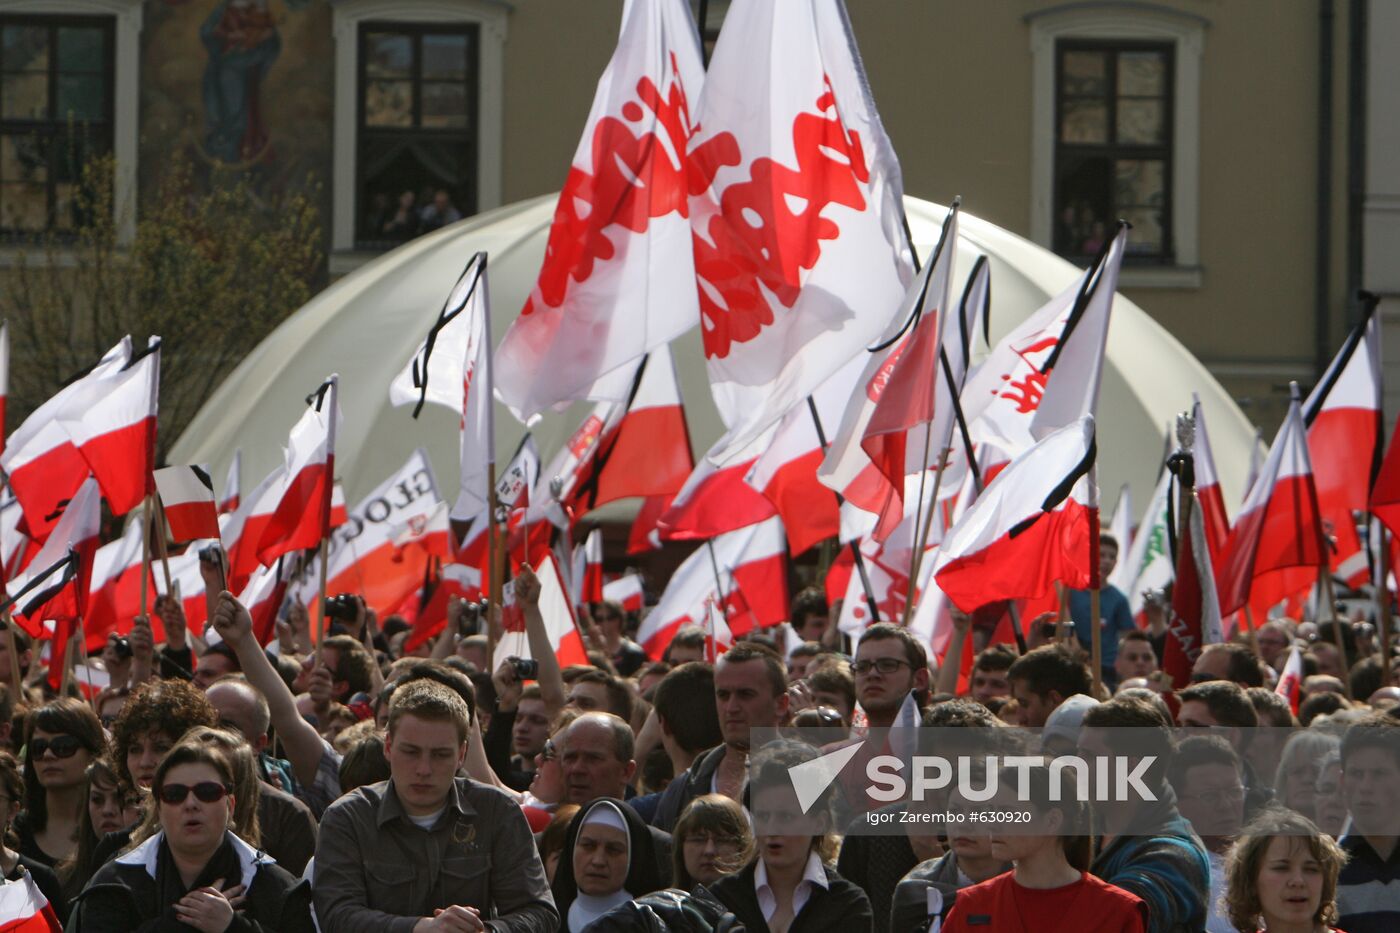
[{"x": 427, "y": 851}]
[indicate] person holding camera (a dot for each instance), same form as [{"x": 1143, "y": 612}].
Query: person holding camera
[{"x": 520, "y": 727}]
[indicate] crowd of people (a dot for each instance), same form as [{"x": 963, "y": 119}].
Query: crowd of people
[{"x": 360, "y": 782}]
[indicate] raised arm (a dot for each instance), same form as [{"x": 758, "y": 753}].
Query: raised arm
[
  {"x": 300, "y": 740},
  {"x": 551, "y": 680},
  {"x": 947, "y": 681}
]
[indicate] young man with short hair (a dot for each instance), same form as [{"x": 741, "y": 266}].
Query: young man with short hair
[
  {"x": 1115, "y": 617},
  {"x": 1368, "y": 889},
  {"x": 1043, "y": 678},
  {"x": 1208, "y": 778},
  {"x": 750, "y": 692},
  {"x": 890, "y": 665},
  {"x": 989, "y": 678},
  {"x": 1135, "y": 655},
  {"x": 427, "y": 851}
]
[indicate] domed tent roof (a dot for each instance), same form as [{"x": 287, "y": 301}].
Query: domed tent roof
[{"x": 366, "y": 326}]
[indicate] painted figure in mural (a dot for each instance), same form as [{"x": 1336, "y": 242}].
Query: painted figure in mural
[{"x": 241, "y": 39}]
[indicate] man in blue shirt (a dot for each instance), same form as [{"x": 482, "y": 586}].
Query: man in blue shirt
[{"x": 1114, "y": 614}]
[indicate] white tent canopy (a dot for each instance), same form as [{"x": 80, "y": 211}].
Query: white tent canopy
[{"x": 367, "y": 325}]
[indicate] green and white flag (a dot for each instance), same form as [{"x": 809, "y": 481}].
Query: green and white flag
[{"x": 1149, "y": 563}]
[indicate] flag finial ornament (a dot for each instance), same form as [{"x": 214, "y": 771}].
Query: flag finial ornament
[{"x": 1186, "y": 430}]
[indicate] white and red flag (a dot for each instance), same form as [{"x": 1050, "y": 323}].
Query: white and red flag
[
  {"x": 1029, "y": 528},
  {"x": 302, "y": 517},
  {"x": 1290, "y": 682},
  {"x": 114, "y": 592},
  {"x": 889, "y": 584},
  {"x": 242, "y": 529},
  {"x": 43, "y": 467},
  {"x": 618, "y": 261},
  {"x": 786, "y": 471},
  {"x": 76, "y": 533},
  {"x": 558, "y": 617},
  {"x": 591, "y": 579},
  {"x": 115, "y": 432},
  {"x": 718, "y": 637},
  {"x": 232, "y": 483},
  {"x": 745, "y": 569},
  {"x": 1276, "y": 546},
  {"x": 262, "y": 596},
  {"x": 187, "y": 496},
  {"x": 453, "y": 368},
  {"x": 715, "y": 501},
  {"x": 1208, "y": 493},
  {"x": 1385, "y": 494},
  {"x": 188, "y": 583},
  {"x": 1345, "y": 438},
  {"x": 340, "y": 513},
  {"x": 796, "y": 205},
  {"x": 626, "y": 590},
  {"x": 1194, "y": 621},
  {"x": 24, "y": 909}
]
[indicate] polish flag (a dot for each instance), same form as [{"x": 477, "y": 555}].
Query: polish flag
[
  {"x": 1121, "y": 527},
  {"x": 1345, "y": 438},
  {"x": 752, "y": 570},
  {"x": 647, "y": 452},
  {"x": 453, "y": 368},
  {"x": 591, "y": 579},
  {"x": 339, "y": 513},
  {"x": 116, "y": 432},
  {"x": 627, "y": 591},
  {"x": 114, "y": 592},
  {"x": 188, "y": 584},
  {"x": 718, "y": 637},
  {"x": 564, "y": 474},
  {"x": 24, "y": 909},
  {"x": 1208, "y": 493},
  {"x": 901, "y": 438},
  {"x": 15, "y": 546},
  {"x": 262, "y": 596},
  {"x": 1385, "y": 495},
  {"x": 796, "y": 205},
  {"x": 383, "y": 550},
  {"x": 715, "y": 501},
  {"x": 232, "y": 483},
  {"x": 1290, "y": 682},
  {"x": 1030, "y": 527},
  {"x": 645, "y": 534},
  {"x": 522, "y": 474},
  {"x": 786, "y": 471},
  {"x": 464, "y": 577},
  {"x": 559, "y": 623},
  {"x": 243, "y": 528},
  {"x": 1276, "y": 546},
  {"x": 43, "y": 467},
  {"x": 77, "y": 530},
  {"x": 187, "y": 496},
  {"x": 1194, "y": 621},
  {"x": 621, "y": 226},
  {"x": 303, "y": 513}
]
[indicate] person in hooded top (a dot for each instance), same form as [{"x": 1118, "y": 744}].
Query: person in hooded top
[{"x": 608, "y": 860}]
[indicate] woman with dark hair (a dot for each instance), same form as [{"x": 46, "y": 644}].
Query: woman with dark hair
[
  {"x": 61, "y": 739},
  {"x": 712, "y": 839},
  {"x": 790, "y": 887},
  {"x": 13, "y": 865},
  {"x": 110, "y": 808},
  {"x": 157, "y": 714},
  {"x": 1282, "y": 875},
  {"x": 194, "y": 871},
  {"x": 245, "y": 786},
  {"x": 608, "y": 860},
  {"x": 1050, "y": 888}
]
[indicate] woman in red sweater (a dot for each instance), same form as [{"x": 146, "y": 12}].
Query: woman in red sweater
[{"x": 1049, "y": 889}]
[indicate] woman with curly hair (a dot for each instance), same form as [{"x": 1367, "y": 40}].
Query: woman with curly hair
[
  {"x": 1282, "y": 875},
  {"x": 156, "y": 715},
  {"x": 61, "y": 739}
]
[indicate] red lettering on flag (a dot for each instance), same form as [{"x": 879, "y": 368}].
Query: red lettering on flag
[
  {"x": 768, "y": 229},
  {"x": 586, "y": 436}
]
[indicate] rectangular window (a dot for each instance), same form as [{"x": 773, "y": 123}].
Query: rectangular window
[
  {"x": 1113, "y": 147},
  {"x": 417, "y": 130},
  {"x": 56, "y": 100}
]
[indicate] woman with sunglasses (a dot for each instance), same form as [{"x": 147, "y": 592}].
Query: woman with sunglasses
[
  {"x": 13, "y": 865},
  {"x": 61, "y": 739},
  {"x": 193, "y": 869}
]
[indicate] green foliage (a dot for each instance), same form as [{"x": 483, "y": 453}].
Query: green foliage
[{"x": 212, "y": 267}]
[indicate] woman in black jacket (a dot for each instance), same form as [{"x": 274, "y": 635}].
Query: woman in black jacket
[
  {"x": 790, "y": 887},
  {"x": 192, "y": 872}
]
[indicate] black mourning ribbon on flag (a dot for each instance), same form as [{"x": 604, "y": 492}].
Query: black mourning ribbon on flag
[
  {"x": 137, "y": 356},
  {"x": 201, "y": 475},
  {"x": 316, "y": 398},
  {"x": 450, "y": 310},
  {"x": 66, "y": 566},
  {"x": 1061, "y": 491},
  {"x": 918, "y": 311},
  {"x": 1086, "y": 294}
]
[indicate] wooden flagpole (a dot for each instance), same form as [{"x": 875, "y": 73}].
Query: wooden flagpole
[
  {"x": 857, "y": 558},
  {"x": 495, "y": 566},
  {"x": 1324, "y": 578},
  {"x": 159, "y": 532},
  {"x": 1383, "y": 603},
  {"x": 146, "y": 529},
  {"x": 1095, "y": 591},
  {"x": 1250, "y": 631}
]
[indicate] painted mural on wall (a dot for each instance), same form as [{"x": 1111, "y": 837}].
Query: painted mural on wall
[{"x": 242, "y": 85}]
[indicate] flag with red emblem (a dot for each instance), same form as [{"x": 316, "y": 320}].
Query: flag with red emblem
[
  {"x": 1194, "y": 620},
  {"x": 1276, "y": 545},
  {"x": 620, "y": 227},
  {"x": 302, "y": 516},
  {"x": 1345, "y": 437},
  {"x": 796, "y": 205}
]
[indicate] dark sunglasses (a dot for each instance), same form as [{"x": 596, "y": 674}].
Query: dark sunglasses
[
  {"x": 204, "y": 791},
  {"x": 63, "y": 746}
]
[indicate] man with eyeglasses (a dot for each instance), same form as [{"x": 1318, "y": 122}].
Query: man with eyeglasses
[
  {"x": 890, "y": 665},
  {"x": 1208, "y": 778}
]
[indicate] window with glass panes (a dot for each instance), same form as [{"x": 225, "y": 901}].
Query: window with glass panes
[
  {"x": 55, "y": 113},
  {"x": 417, "y": 133},
  {"x": 1113, "y": 118}
]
